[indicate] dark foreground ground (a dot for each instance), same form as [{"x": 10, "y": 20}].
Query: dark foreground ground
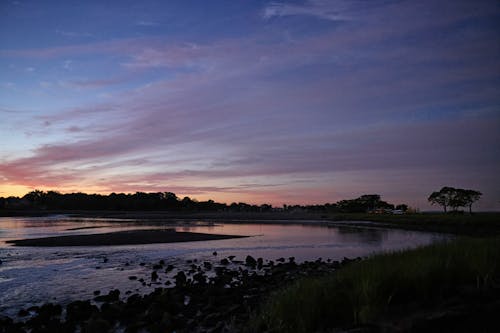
[
  {"x": 128, "y": 237},
  {"x": 448, "y": 287},
  {"x": 206, "y": 298}
]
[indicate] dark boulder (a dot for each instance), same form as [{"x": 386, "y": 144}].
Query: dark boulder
[
  {"x": 113, "y": 295},
  {"x": 96, "y": 324},
  {"x": 250, "y": 261},
  {"x": 180, "y": 279},
  {"x": 78, "y": 311}
]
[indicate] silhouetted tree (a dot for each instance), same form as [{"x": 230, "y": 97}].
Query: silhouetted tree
[
  {"x": 468, "y": 197},
  {"x": 454, "y": 197},
  {"x": 443, "y": 197},
  {"x": 402, "y": 207}
]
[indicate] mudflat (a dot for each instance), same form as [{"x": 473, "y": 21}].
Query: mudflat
[{"x": 129, "y": 237}]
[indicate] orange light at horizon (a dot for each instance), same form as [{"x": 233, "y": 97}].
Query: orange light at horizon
[{"x": 9, "y": 190}]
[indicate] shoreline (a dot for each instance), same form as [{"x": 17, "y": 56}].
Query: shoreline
[
  {"x": 481, "y": 224},
  {"x": 128, "y": 237},
  {"x": 258, "y": 295}
]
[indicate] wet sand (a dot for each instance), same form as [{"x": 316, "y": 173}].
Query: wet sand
[{"x": 128, "y": 237}]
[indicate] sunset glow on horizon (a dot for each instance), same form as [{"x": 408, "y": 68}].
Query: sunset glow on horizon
[{"x": 281, "y": 102}]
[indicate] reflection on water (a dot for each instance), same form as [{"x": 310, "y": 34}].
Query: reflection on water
[
  {"x": 362, "y": 235},
  {"x": 29, "y": 275}
]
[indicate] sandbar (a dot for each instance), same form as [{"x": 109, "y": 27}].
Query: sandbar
[{"x": 129, "y": 237}]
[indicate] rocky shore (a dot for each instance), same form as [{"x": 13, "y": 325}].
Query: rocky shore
[{"x": 216, "y": 296}]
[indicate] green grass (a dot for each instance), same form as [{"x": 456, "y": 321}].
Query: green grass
[{"x": 367, "y": 291}]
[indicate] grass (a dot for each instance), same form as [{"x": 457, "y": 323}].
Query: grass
[
  {"x": 476, "y": 224},
  {"x": 383, "y": 285}
]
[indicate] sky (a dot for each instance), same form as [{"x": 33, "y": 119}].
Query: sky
[{"x": 275, "y": 102}]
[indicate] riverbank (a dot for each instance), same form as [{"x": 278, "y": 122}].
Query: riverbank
[
  {"x": 447, "y": 287},
  {"x": 129, "y": 237},
  {"x": 476, "y": 224},
  {"x": 169, "y": 215},
  {"x": 207, "y": 297},
  {"x": 452, "y": 286}
]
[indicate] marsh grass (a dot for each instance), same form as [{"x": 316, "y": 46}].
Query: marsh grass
[
  {"x": 366, "y": 291},
  {"x": 477, "y": 224}
]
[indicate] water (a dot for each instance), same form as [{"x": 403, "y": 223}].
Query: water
[{"x": 35, "y": 275}]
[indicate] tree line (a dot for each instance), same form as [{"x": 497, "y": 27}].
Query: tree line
[
  {"x": 53, "y": 200},
  {"x": 447, "y": 197}
]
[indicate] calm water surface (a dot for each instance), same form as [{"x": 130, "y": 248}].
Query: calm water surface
[{"x": 31, "y": 275}]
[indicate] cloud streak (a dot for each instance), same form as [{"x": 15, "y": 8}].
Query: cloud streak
[{"x": 266, "y": 115}]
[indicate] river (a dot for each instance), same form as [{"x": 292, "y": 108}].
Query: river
[{"x": 35, "y": 275}]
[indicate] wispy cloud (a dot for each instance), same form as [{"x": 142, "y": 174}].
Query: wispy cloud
[
  {"x": 147, "y": 23},
  {"x": 332, "y": 10},
  {"x": 97, "y": 83},
  {"x": 383, "y": 101},
  {"x": 73, "y": 34},
  {"x": 67, "y": 64}
]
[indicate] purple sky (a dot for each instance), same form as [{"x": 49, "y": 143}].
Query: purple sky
[{"x": 277, "y": 102}]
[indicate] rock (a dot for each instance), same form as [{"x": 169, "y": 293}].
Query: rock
[
  {"x": 250, "y": 261},
  {"x": 132, "y": 277},
  {"x": 280, "y": 260},
  {"x": 224, "y": 262},
  {"x": 162, "y": 262},
  {"x": 259, "y": 263},
  {"x": 180, "y": 279},
  {"x": 111, "y": 311},
  {"x": 33, "y": 308},
  {"x": 97, "y": 292},
  {"x": 49, "y": 310},
  {"x": 231, "y": 257},
  {"x": 200, "y": 278},
  {"x": 23, "y": 313},
  {"x": 113, "y": 295},
  {"x": 346, "y": 261},
  {"x": 169, "y": 268},
  {"x": 96, "y": 325},
  {"x": 142, "y": 264},
  {"x": 78, "y": 311},
  {"x": 5, "y": 321},
  {"x": 207, "y": 265},
  {"x": 157, "y": 266}
]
